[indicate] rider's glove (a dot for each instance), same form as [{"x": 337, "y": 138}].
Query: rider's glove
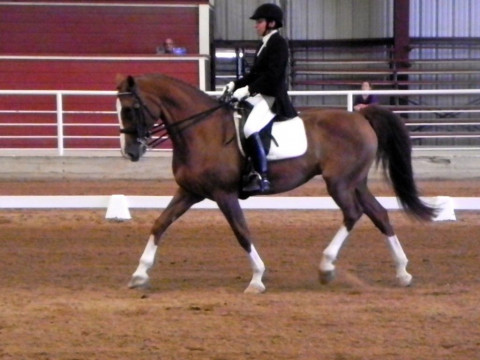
[
  {"x": 229, "y": 87},
  {"x": 241, "y": 93}
]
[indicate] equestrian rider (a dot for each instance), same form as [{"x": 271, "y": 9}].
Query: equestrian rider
[{"x": 265, "y": 88}]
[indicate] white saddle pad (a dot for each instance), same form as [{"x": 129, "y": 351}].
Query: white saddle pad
[{"x": 290, "y": 139}]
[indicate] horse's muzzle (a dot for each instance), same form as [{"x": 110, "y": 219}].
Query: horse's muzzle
[{"x": 135, "y": 151}]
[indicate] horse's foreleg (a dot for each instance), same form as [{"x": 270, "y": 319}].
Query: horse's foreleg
[
  {"x": 256, "y": 285},
  {"x": 327, "y": 269},
  {"x": 140, "y": 278},
  {"x": 180, "y": 203},
  {"x": 232, "y": 211}
]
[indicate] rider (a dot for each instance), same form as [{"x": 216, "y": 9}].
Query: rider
[{"x": 265, "y": 88}]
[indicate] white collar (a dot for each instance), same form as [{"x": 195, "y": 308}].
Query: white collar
[{"x": 266, "y": 37}]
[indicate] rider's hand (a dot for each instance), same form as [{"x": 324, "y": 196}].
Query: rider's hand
[
  {"x": 241, "y": 93},
  {"x": 229, "y": 87}
]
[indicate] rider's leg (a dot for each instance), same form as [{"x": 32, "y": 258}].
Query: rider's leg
[
  {"x": 259, "y": 158},
  {"x": 260, "y": 116}
]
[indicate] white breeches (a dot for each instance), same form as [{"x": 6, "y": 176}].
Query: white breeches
[{"x": 260, "y": 115}]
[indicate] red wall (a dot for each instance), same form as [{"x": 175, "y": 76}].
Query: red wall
[{"x": 93, "y": 29}]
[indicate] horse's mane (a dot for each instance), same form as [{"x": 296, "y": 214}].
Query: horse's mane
[{"x": 172, "y": 83}]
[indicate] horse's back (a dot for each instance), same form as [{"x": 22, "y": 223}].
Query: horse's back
[{"x": 333, "y": 124}]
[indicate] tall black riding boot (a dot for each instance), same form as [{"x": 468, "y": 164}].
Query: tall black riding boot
[{"x": 259, "y": 183}]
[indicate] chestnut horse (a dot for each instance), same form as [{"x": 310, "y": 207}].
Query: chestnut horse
[{"x": 207, "y": 164}]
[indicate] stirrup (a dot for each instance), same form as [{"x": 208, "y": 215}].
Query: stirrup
[
  {"x": 264, "y": 185},
  {"x": 252, "y": 182},
  {"x": 256, "y": 184}
]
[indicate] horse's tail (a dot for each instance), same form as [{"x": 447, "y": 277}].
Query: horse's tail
[{"x": 395, "y": 154}]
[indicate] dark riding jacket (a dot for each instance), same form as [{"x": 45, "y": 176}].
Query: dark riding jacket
[{"x": 267, "y": 75}]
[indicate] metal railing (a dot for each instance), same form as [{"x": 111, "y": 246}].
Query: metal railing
[{"x": 59, "y": 112}]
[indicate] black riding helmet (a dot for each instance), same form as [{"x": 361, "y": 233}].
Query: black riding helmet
[{"x": 269, "y": 12}]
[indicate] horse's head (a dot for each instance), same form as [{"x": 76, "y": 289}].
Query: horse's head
[{"x": 136, "y": 117}]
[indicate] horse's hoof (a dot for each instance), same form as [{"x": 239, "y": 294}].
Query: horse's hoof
[
  {"x": 255, "y": 289},
  {"x": 405, "y": 280},
  {"x": 139, "y": 282},
  {"x": 326, "y": 277}
]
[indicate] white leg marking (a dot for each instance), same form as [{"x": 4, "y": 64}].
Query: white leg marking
[
  {"x": 400, "y": 259},
  {"x": 140, "y": 276},
  {"x": 122, "y": 136},
  {"x": 331, "y": 251},
  {"x": 258, "y": 267}
]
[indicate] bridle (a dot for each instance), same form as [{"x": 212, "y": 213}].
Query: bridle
[
  {"x": 139, "y": 109},
  {"x": 141, "y": 130}
]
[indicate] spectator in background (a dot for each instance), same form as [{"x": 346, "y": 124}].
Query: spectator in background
[
  {"x": 170, "y": 48},
  {"x": 364, "y": 100},
  {"x": 167, "y": 47}
]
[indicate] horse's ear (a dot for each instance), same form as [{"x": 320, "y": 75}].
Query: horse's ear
[
  {"x": 130, "y": 82},
  {"x": 119, "y": 79}
]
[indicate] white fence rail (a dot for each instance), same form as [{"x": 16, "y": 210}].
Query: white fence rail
[{"x": 60, "y": 97}]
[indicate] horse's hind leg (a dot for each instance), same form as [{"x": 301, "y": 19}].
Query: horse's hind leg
[
  {"x": 180, "y": 203},
  {"x": 232, "y": 211},
  {"x": 327, "y": 268},
  {"x": 379, "y": 216},
  {"x": 346, "y": 200}
]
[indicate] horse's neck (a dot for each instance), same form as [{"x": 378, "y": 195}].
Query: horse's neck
[
  {"x": 204, "y": 141},
  {"x": 182, "y": 103},
  {"x": 190, "y": 128}
]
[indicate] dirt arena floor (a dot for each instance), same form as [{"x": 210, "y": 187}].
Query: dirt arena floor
[{"x": 63, "y": 293}]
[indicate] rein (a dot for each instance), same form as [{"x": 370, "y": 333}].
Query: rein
[
  {"x": 187, "y": 122},
  {"x": 157, "y": 128}
]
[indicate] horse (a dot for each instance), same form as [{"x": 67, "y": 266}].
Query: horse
[{"x": 208, "y": 163}]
